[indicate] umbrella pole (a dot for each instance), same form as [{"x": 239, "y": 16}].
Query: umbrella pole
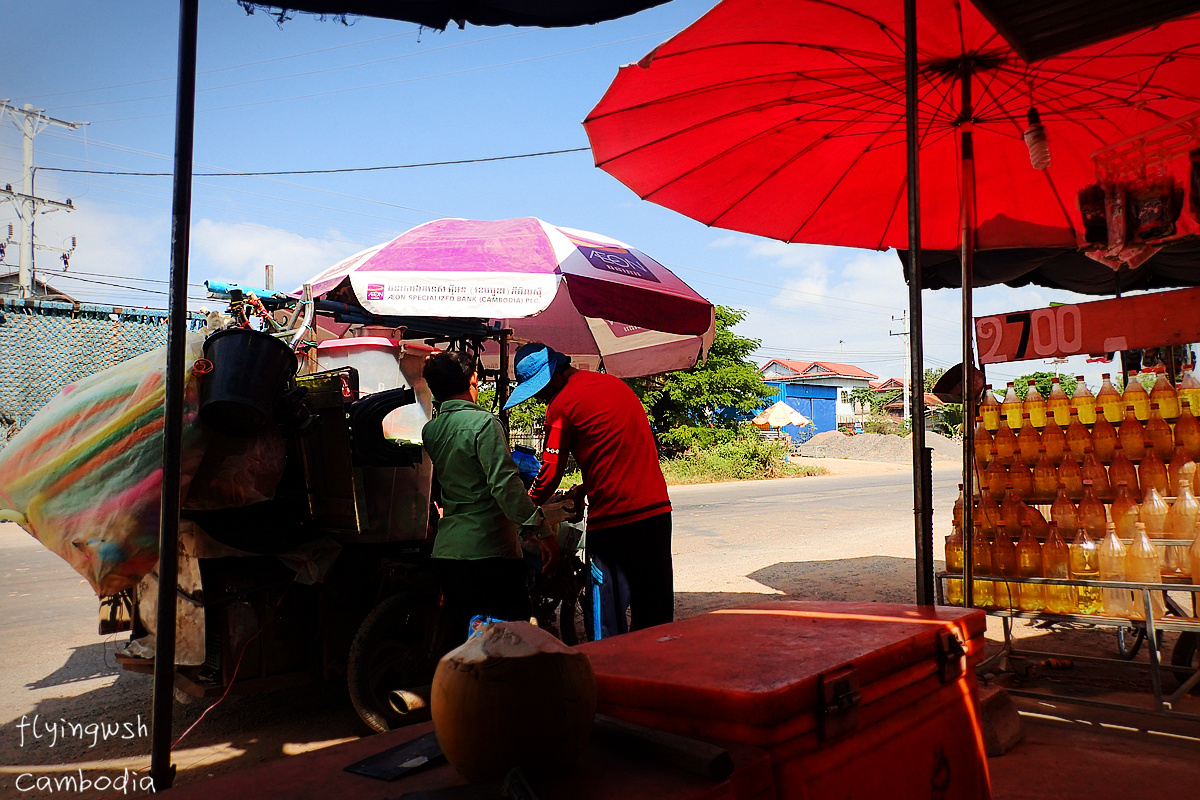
[
  {"x": 162, "y": 772},
  {"x": 502, "y": 381},
  {"x": 967, "y": 258},
  {"x": 922, "y": 471}
]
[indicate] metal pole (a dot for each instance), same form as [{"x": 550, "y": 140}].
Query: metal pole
[
  {"x": 967, "y": 240},
  {"x": 922, "y": 488},
  {"x": 162, "y": 772},
  {"x": 502, "y": 380},
  {"x": 28, "y": 208}
]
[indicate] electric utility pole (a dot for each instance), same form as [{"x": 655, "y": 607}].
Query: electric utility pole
[
  {"x": 907, "y": 368},
  {"x": 30, "y": 121}
]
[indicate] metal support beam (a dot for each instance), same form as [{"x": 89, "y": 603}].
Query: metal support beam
[
  {"x": 967, "y": 256},
  {"x": 922, "y": 490},
  {"x": 162, "y": 772}
]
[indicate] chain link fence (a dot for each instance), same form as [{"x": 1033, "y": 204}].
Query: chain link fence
[{"x": 45, "y": 346}]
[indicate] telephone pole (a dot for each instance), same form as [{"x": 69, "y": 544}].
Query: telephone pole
[
  {"x": 30, "y": 121},
  {"x": 907, "y": 368}
]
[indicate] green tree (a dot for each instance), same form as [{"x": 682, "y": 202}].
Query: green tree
[
  {"x": 723, "y": 391},
  {"x": 870, "y": 399},
  {"x": 526, "y": 417},
  {"x": 1043, "y": 381},
  {"x": 932, "y": 375}
]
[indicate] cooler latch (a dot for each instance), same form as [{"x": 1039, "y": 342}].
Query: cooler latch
[
  {"x": 952, "y": 657},
  {"x": 840, "y": 701}
]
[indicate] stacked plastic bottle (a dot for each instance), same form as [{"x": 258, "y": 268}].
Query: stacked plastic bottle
[{"x": 1115, "y": 472}]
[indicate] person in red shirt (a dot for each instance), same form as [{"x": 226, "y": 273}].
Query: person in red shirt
[{"x": 598, "y": 419}]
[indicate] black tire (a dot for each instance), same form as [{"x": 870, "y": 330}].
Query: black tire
[
  {"x": 1186, "y": 653},
  {"x": 391, "y": 650}
]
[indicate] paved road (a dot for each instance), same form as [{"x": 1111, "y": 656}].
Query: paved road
[{"x": 827, "y": 537}]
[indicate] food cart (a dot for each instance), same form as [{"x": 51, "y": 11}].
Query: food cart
[{"x": 328, "y": 576}]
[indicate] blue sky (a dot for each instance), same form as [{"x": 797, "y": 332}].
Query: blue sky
[{"x": 313, "y": 94}]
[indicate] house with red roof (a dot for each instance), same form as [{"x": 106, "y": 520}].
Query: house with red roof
[{"x": 822, "y": 380}]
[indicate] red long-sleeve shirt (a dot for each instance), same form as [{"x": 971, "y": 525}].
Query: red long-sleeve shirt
[{"x": 600, "y": 420}]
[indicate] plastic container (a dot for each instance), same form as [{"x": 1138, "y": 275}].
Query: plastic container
[
  {"x": 1058, "y": 405},
  {"x": 1056, "y": 562},
  {"x": 1135, "y": 395},
  {"x": 1158, "y": 434},
  {"x": 1029, "y": 565},
  {"x": 989, "y": 410},
  {"x": 1083, "y": 402},
  {"x": 1012, "y": 408},
  {"x": 1187, "y": 430},
  {"x": 1112, "y": 568},
  {"x": 954, "y": 565},
  {"x": 383, "y": 364},
  {"x": 1055, "y": 442},
  {"x": 1085, "y": 565},
  {"x": 1029, "y": 442},
  {"x": 251, "y": 370},
  {"x": 851, "y": 700},
  {"x": 1035, "y": 405},
  {"x": 1109, "y": 401}
]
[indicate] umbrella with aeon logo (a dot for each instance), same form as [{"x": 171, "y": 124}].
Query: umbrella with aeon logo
[{"x": 595, "y": 298}]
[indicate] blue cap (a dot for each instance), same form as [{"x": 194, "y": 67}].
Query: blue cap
[{"x": 534, "y": 364}]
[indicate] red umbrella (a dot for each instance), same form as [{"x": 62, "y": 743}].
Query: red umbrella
[
  {"x": 790, "y": 119},
  {"x": 785, "y": 118}
]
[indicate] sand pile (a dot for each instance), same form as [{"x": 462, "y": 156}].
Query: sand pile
[{"x": 884, "y": 447}]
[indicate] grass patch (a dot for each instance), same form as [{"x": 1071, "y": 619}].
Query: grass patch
[{"x": 744, "y": 459}]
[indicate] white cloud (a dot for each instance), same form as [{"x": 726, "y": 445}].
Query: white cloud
[{"x": 238, "y": 252}]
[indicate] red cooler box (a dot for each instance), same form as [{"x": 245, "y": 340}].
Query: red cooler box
[{"x": 855, "y": 701}]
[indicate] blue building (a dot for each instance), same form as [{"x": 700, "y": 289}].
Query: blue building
[{"x": 818, "y": 403}]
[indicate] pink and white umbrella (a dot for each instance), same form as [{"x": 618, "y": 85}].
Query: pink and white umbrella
[{"x": 589, "y": 296}]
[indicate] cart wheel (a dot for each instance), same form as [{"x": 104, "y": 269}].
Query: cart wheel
[
  {"x": 1129, "y": 641},
  {"x": 1185, "y": 654},
  {"x": 391, "y": 650}
]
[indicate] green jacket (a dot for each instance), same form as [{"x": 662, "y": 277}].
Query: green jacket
[{"x": 483, "y": 499}]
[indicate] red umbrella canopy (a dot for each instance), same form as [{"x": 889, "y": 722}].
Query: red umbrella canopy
[{"x": 785, "y": 118}]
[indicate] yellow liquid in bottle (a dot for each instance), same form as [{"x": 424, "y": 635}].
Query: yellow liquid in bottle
[
  {"x": 1110, "y": 403},
  {"x": 1135, "y": 395},
  {"x": 954, "y": 564}
]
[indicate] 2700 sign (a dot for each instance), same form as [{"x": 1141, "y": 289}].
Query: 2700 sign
[
  {"x": 1155, "y": 319},
  {"x": 1041, "y": 333}
]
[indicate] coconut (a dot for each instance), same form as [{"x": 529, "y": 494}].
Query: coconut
[{"x": 512, "y": 696}]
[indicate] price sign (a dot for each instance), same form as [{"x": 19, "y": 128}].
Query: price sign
[{"x": 1129, "y": 323}]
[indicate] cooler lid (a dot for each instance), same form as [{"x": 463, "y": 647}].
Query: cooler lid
[{"x": 761, "y": 664}]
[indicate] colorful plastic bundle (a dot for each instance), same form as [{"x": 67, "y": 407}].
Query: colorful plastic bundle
[{"x": 84, "y": 476}]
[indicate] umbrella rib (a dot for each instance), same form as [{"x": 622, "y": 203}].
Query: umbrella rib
[
  {"x": 703, "y": 123},
  {"x": 745, "y": 142},
  {"x": 831, "y": 190},
  {"x": 791, "y": 160},
  {"x": 848, "y": 90}
]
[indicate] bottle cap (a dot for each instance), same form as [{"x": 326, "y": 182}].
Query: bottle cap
[
  {"x": 1105, "y": 375},
  {"x": 1032, "y": 381},
  {"x": 1079, "y": 379},
  {"x": 1054, "y": 379}
]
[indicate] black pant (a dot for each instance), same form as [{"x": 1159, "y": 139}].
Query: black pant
[
  {"x": 638, "y": 556},
  {"x": 492, "y": 587}
]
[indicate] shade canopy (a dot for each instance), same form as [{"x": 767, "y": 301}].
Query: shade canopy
[
  {"x": 779, "y": 415},
  {"x": 514, "y": 268},
  {"x": 440, "y": 13},
  {"x": 598, "y": 300},
  {"x": 785, "y": 118}
]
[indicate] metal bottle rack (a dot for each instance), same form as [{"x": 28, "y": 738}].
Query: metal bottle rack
[
  {"x": 1163, "y": 319},
  {"x": 1162, "y": 703}
]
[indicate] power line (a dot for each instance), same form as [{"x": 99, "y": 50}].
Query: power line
[{"x": 319, "y": 171}]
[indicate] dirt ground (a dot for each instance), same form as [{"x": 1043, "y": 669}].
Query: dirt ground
[{"x": 846, "y": 535}]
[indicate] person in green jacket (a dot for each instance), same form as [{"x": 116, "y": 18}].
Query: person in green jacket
[{"x": 477, "y": 552}]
